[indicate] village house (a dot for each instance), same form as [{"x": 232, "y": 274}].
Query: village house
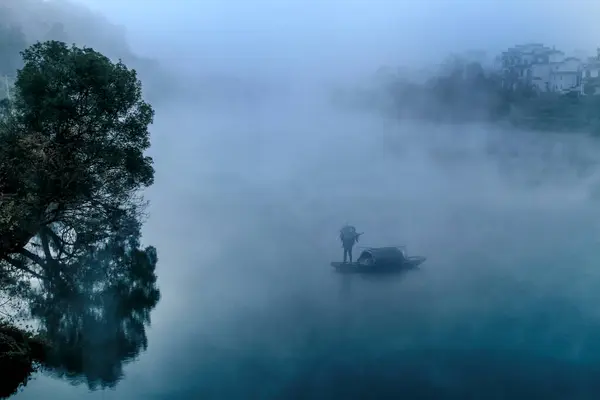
[
  {"x": 546, "y": 69},
  {"x": 565, "y": 75},
  {"x": 516, "y": 64}
]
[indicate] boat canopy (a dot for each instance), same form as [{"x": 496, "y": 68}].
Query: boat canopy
[{"x": 382, "y": 255}]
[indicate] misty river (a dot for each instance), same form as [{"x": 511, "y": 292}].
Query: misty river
[{"x": 245, "y": 214}]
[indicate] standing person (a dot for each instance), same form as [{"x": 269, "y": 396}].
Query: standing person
[{"x": 349, "y": 238}]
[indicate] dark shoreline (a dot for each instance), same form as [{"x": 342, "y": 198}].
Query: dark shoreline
[{"x": 21, "y": 354}]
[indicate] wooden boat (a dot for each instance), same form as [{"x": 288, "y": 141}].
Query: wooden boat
[{"x": 380, "y": 259}]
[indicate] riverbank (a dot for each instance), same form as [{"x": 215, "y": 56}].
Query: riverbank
[
  {"x": 468, "y": 93},
  {"x": 21, "y": 353}
]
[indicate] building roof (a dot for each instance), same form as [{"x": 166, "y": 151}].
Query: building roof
[{"x": 530, "y": 45}]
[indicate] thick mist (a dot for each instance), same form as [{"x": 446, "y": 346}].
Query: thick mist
[
  {"x": 506, "y": 219},
  {"x": 251, "y": 190}
]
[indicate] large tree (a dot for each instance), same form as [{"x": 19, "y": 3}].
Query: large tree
[
  {"x": 72, "y": 165},
  {"x": 72, "y": 157}
]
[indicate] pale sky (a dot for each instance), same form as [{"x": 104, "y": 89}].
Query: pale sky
[{"x": 351, "y": 33}]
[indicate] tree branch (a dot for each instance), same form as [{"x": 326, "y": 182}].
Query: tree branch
[
  {"x": 34, "y": 257},
  {"x": 45, "y": 244},
  {"x": 58, "y": 242},
  {"x": 15, "y": 264}
]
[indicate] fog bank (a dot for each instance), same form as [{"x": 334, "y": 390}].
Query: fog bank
[{"x": 250, "y": 194}]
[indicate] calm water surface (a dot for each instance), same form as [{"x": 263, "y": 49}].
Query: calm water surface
[{"x": 244, "y": 215}]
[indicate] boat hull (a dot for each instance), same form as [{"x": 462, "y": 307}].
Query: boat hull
[{"x": 387, "y": 267}]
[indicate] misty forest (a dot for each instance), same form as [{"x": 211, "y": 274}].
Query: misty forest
[{"x": 235, "y": 153}]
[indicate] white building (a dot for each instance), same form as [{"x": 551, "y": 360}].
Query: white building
[
  {"x": 529, "y": 64},
  {"x": 565, "y": 76},
  {"x": 547, "y": 69},
  {"x": 540, "y": 76},
  {"x": 551, "y": 71},
  {"x": 553, "y": 56}
]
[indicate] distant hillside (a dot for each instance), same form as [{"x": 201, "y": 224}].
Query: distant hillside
[{"x": 23, "y": 22}]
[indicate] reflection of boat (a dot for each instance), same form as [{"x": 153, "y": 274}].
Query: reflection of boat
[{"x": 380, "y": 259}]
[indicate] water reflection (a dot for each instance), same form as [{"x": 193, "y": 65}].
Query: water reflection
[
  {"x": 95, "y": 320},
  {"x": 444, "y": 374},
  {"x": 388, "y": 278}
]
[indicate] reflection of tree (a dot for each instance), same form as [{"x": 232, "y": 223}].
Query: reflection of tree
[
  {"x": 95, "y": 319},
  {"x": 72, "y": 165}
]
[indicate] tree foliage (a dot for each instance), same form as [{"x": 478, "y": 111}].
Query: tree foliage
[
  {"x": 73, "y": 157},
  {"x": 71, "y": 22},
  {"x": 72, "y": 166},
  {"x": 19, "y": 350}
]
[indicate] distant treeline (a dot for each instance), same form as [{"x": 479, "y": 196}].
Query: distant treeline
[{"x": 466, "y": 92}]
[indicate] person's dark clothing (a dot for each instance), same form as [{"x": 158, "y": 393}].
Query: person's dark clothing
[
  {"x": 348, "y": 245},
  {"x": 349, "y": 237}
]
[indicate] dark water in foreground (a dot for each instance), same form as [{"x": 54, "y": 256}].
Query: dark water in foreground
[
  {"x": 411, "y": 336},
  {"x": 506, "y": 306}
]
